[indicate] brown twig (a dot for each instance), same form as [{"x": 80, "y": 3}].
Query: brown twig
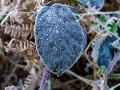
[
  {"x": 94, "y": 72},
  {"x": 12, "y": 72},
  {"x": 99, "y": 13},
  {"x": 16, "y": 64},
  {"x": 89, "y": 82}
]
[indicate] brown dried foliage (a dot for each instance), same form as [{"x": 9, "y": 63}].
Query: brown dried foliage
[
  {"x": 21, "y": 28},
  {"x": 24, "y": 49},
  {"x": 17, "y": 31}
]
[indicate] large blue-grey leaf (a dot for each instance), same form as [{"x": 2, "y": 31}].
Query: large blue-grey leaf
[{"x": 59, "y": 38}]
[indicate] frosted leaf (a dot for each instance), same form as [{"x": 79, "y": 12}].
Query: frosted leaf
[
  {"x": 59, "y": 38},
  {"x": 106, "y": 51},
  {"x": 98, "y": 4}
]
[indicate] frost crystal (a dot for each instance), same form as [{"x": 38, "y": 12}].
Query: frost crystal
[{"x": 59, "y": 38}]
